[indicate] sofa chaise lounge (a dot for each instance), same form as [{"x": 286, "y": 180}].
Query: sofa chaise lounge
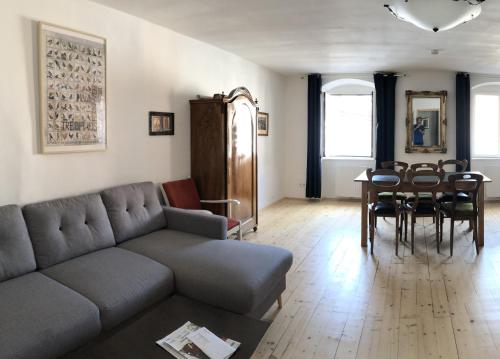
[{"x": 73, "y": 268}]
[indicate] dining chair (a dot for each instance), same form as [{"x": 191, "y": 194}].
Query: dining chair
[
  {"x": 379, "y": 181},
  {"x": 468, "y": 183},
  {"x": 422, "y": 166},
  {"x": 459, "y": 166},
  {"x": 397, "y": 166},
  {"x": 424, "y": 181}
]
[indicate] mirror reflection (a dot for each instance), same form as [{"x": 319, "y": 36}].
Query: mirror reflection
[{"x": 426, "y": 121}]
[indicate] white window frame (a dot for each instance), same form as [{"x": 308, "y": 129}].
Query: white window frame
[
  {"x": 475, "y": 93},
  {"x": 373, "y": 127}
]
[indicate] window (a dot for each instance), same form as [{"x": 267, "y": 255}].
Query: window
[
  {"x": 485, "y": 126},
  {"x": 348, "y": 125}
]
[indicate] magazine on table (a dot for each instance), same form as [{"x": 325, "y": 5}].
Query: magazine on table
[{"x": 180, "y": 343}]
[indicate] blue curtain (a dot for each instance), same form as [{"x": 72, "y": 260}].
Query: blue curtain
[
  {"x": 385, "y": 89},
  {"x": 313, "y": 181},
  {"x": 463, "y": 117}
]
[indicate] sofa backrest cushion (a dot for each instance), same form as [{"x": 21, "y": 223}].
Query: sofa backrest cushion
[
  {"x": 134, "y": 210},
  {"x": 16, "y": 253},
  {"x": 66, "y": 228}
]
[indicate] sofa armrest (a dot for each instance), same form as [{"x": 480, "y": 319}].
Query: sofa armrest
[{"x": 208, "y": 225}]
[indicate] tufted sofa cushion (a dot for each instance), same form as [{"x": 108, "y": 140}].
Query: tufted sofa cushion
[
  {"x": 66, "y": 228},
  {"x": 134, "y": 210},
  {"x": 16, "y": 252}
]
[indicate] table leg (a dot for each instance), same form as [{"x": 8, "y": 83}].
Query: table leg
[
  {"x": 480, "y": 230},
  {"x": 364, "y": 214}
]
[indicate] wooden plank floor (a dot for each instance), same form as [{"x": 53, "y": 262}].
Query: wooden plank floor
[{"x": 341, "y": 302}]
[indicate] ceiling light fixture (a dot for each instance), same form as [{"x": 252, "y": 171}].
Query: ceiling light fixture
[{"x": 435, "y": 15}]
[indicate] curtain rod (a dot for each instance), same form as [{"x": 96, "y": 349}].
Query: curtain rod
[
  {"x": 485, "y": 75},
  {"x": 397, "y": 74}
]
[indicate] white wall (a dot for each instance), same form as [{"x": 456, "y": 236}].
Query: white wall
[
  {"x": 339, "y": 173},
  {"x": 295, "y": 131},
  {"x": 149, "y": 68}
]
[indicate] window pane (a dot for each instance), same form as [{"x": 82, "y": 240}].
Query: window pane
[
  {"x": 485, "y": 141},
  {"x": 348, "y": 125}
]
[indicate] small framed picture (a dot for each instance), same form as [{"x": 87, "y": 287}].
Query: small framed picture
[
  {"x": 263, "y": 124},
  {"x": 161, "y": 123}
]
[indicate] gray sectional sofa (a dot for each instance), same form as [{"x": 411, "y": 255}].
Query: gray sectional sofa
[{"x": 73, "y": 268}]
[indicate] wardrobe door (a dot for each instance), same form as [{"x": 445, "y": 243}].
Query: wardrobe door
[
  {"x": 208, "y": 152},
  {"x": 242, "y": 159}
]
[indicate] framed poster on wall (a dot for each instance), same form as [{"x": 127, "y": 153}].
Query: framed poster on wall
[
  {"x": 262, "y": 124},
  {"x": 72, "y": 68}
]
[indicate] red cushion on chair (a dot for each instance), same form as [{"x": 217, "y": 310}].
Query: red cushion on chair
[
  {"x": 182, "y": 194},
  {"x": 231, "y": 223}
]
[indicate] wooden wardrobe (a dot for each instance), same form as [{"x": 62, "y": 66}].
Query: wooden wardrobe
[{"x": 224, "y": 153}]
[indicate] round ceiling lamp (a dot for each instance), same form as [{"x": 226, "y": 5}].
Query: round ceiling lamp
[{"x": 435, "y": 15}]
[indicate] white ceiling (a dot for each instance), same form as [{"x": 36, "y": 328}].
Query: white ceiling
[{"x": 326, "y": 36}]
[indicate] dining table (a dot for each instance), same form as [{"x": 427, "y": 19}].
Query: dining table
[{"x": 368, "y": 196}]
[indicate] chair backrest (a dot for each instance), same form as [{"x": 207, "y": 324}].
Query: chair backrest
[
  {"x": 395, "y": 165},
  {"x": 182, "y": 194},
  {"x": 385, "y": 180},
  {"x": 424, "y": 166},
  {"x": 425, "y": 180},
  {"x": 460, "y": 165},
  {"x": 468, "y": 183}
]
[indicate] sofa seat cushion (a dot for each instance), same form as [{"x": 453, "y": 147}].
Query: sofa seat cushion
[
  {"x": 233, "y": 275},
  {"x": 119, "y": 282},
  {"x": 42, "y": 318}
]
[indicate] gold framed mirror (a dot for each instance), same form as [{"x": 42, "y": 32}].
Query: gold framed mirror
[{"x": 426, "y": 121}]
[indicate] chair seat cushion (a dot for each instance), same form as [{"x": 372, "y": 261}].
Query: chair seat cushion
[
  {"x": 424, "y": 208},
  {"x": 462, "y": 209},
  {"x": 233, "y": 275},
  {"x": 448, "y": 197},
  {"x": 383, "y": 208},
  {"x": 119, "y": 282},
  {"x": 232, "y": 223},
  {"x": 41, "y": 318},
  {"x": 400, "y": 196},
  {"x": 421, "y": 196}
]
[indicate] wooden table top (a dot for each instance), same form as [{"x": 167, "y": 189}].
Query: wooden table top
[{"x": 362, "y": 176}]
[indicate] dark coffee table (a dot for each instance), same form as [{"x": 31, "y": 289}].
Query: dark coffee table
[{"x": 138, "y": 339}]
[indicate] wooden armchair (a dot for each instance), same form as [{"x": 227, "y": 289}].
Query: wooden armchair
[{"x": 184, "y": 194}]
